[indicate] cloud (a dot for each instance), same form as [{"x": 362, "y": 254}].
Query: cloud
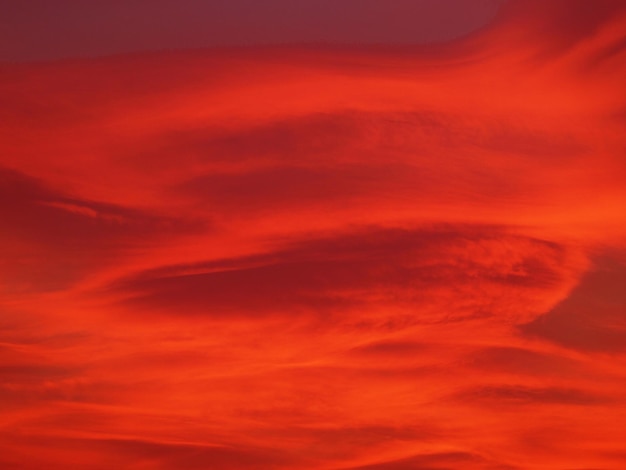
[
  {"x": 437, "y": 461},
  {"x": 320, "y": 257},
  {"x": 367, "y": 270},
  {"x": 355, "y": 136},
  {"x": 519, "y": 361},
  {"x": 556, "y": 27},
  {"x": 393, "y": 349},
  {"x": 520, "y": 395},
  {"x": 94, "y": 452},
  {"x": 293, "y": 188},
  {"x": 591, "y": 319},
  {"x": 55, "y": 239},
  {"x": 413, "y": 161}
]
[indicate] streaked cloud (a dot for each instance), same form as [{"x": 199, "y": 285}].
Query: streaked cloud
[{"x": 320, "y": 256}]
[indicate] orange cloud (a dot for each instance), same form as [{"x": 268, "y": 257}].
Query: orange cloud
[{"x": 320, "y": 257}]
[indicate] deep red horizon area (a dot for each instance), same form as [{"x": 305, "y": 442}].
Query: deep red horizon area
[{"x": 299, "y": 237}]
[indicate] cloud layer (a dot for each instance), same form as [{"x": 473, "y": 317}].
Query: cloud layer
[{"x": 320, "y": 257}]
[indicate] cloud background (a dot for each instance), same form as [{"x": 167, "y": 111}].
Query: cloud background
[{"x": 346, "y": 257}]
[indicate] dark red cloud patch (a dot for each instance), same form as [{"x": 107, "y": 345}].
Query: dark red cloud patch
[
  {"x": 437, "y": 461},
  {"x": 365, "y": 271},
  {"x": 53, "y": 239},
  {"x": 592, "y": 318},
  {"x": 521, "y": 395}
]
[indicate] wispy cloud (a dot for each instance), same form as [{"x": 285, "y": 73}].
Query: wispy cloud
[{"x": 320, "y": 257}]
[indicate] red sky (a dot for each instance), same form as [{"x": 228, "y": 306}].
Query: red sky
[
  {"x": 319, "y": 257},
  {"x": 44, "y": 29}
]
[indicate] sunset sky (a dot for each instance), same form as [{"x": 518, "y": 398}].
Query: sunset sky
[{"x": 317, "y": 235}]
